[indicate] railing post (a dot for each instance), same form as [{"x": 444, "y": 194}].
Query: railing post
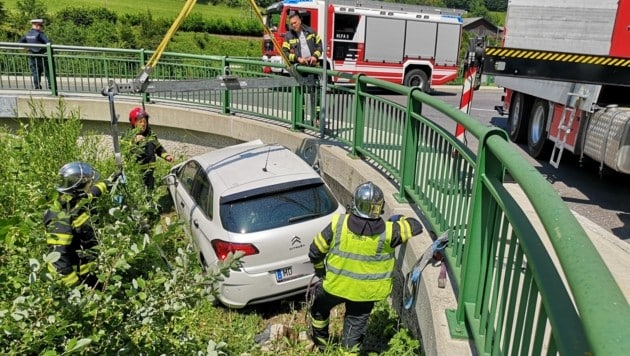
[
  {"x": 143, "y": 60},
  {"x": 226, "y": 96},
  {"x": 477, "y": 246},
  {"x": 52, "y": 75},
  {"x": 297, "y": 116},
  {"x": 409, "y": 152},
  {"x": 359, "y": 122}
]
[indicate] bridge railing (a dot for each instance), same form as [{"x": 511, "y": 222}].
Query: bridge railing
[{"x": 512, "y": 297}]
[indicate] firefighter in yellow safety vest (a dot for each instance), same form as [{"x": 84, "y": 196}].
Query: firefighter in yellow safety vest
[{"x": 354, "y": 257}]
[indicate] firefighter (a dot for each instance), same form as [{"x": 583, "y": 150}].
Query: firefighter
[
  {"x": 67, "y": 223},
  {"x": 145, "y": 146},
  {"x": 302, "y": 45},
  {"x": 354, "y": 258}
]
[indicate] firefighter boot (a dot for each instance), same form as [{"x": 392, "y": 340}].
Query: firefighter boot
[{"x": 319, "y": 333}]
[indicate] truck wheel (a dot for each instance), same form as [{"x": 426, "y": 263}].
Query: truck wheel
[
  {"x": 537, "y": 128},
  {"x": 417, "y": 78},
  {"x": 518, "y": 117}
]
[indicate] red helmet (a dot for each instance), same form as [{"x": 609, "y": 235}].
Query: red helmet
[{"x": 137, "y": 113}]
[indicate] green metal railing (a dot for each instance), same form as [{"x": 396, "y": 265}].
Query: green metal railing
[{"x": 512, "y": 298}]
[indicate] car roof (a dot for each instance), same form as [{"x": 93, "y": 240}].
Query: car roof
[{"x": 252, "y": 165}]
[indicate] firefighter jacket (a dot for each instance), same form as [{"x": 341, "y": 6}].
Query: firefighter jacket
[
  {"x": 69, "y": 232},
  {"x": 291, "y": 45},
  {"x": 35, "y": 37},
  {"x": 145, "y": 151},
  {"x": 358, "y": 255}
]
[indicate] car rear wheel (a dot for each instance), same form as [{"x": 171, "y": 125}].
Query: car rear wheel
[{"x": 537, "y": 129}]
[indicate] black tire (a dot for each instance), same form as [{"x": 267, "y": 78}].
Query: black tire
[
  {"x": 417, "y": 78},
  {"x": 518, "y": 118},
  {"x": 537, "y": 128}
]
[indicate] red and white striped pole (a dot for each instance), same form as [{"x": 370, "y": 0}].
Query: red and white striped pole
[{"x": 467, "y": 95}]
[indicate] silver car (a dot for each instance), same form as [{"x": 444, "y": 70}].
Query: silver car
[{"x": 261, "y": 199}]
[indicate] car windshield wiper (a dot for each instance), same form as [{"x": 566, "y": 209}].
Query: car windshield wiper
[{"x": 304, "y": 217}]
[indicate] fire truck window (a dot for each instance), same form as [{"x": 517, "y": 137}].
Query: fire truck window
[
  {"x": 272, "y": 21},
  {"x": 346, "y": 26},
  {"x": 306, "y": 18}
]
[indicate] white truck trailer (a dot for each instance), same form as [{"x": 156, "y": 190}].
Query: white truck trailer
[{"x": 565, "y": 67}]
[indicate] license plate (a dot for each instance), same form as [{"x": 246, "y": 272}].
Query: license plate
[{"x": 284, "y": 274}]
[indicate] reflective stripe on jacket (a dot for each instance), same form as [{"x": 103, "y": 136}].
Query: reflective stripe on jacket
[{"x": 359, "y": 267}]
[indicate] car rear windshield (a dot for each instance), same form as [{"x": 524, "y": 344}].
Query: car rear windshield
[{"x": 277, "y": 208}]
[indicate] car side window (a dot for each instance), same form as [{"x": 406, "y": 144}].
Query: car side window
[
  {"x": 187, "y": 174},
  {"x": 202, "y": 193}
]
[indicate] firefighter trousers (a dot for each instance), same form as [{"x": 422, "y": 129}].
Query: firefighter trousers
[
  {"x": 76, "y": 263},
  {"x": 355, "y": 321}
]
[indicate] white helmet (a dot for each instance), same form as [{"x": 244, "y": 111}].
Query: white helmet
[
  {"x": 368, "y": 201},
  {"x": 76, "y": 177}
]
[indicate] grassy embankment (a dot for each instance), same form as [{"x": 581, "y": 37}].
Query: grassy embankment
[{"x": 182, "y": 42}]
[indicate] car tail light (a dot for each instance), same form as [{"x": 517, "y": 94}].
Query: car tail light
[{"x": 222, "y": 248}]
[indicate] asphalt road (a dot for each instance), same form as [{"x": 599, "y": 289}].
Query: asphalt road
[{"x": 603, "y": 199}]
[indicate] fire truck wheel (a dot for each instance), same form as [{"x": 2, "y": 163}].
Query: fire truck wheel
[
  {"x": 537, "y": 129},
  {"x": 518, "y": 118},
  {"x": 417, "y": 78}
]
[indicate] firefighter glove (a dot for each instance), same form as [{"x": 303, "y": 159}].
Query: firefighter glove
[{"x": 320, "y": 272}]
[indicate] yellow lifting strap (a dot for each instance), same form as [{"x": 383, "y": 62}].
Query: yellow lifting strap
[
  {"x": 148, "y": 68},
  {"x": 277, "y": 46}
]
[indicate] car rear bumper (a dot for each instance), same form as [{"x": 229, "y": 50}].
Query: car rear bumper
[{"x": 241, "y": 288}]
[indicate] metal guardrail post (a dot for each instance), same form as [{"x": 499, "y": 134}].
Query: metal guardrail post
[
  {"x": 225, "y": 94},
  {"x": 143, "y": 60},
  {"x": 298, "y": 114},
  {"x": 52, "y": 73},
  {"x": 410, "y": 147},
  {"x": 477, "y": 249},
  {"x": 359, "y": 104}
]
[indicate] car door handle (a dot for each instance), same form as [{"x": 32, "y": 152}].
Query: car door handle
[
  {"x": 196, "y": 223},
  {"x": 181, "y": 203}
]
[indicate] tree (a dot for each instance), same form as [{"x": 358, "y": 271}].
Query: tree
[
  {"x": 3, "y": 13},
  {"x": 31, "y": 9},
  {"x": 458, "y": 4},
  {"x": 497, "y": 5},
  {"x": 477, "y": 8}
]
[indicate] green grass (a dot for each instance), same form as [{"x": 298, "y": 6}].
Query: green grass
[
  {"x": 208, "y": 44},
  {"x": 158, "y": 8}
]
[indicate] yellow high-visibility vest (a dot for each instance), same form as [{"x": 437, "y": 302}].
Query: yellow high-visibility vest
[{"x": 359, "y": 267}]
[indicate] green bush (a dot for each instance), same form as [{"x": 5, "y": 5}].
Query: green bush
[
  {"x": 143, "y": 305},
  {"x": 84, "y": 17}
]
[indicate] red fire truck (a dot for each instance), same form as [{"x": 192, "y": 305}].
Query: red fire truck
[
  {"x": 403, "y": 44},
  {"x": 566, "y": 70}
]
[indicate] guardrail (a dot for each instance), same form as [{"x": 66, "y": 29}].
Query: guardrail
[{"x": 512, "y": 299}]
